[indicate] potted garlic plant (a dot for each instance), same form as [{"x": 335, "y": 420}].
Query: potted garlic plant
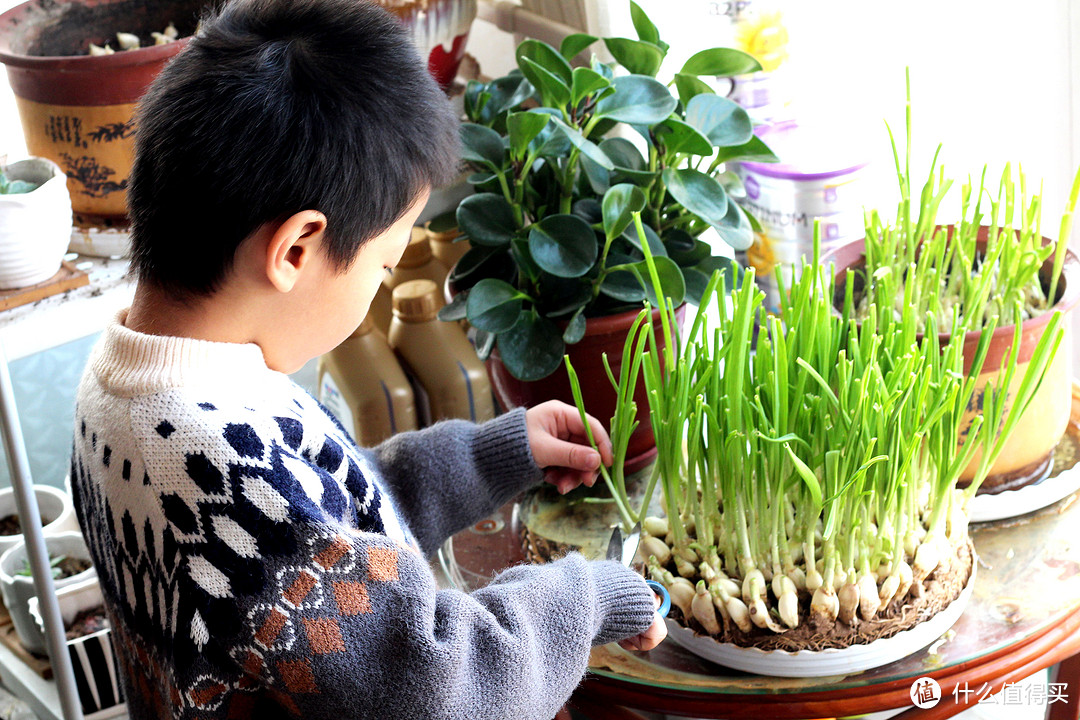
[
  {"x": 993, "y": 269},
  {"x": 562, "y": 156},
  {"x": 813, "y": 522}
]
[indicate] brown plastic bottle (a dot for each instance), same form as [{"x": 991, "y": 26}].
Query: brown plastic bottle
[
  {"x": 382, "y": 309},
  {"x": 449, "y": 380},
  {"x": 444, "y": 247},
  {"x": 362, "y": 384},
  {"x": 417, "y": 263}
]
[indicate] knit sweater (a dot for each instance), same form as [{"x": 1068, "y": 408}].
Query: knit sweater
[{"x": 256, "y": 563}]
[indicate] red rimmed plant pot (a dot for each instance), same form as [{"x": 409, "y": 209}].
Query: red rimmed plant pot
[
  {"x": 602, "y": 335},
  {"x": 77, "y": 110},
  {"x": 1028, "y": 453}
]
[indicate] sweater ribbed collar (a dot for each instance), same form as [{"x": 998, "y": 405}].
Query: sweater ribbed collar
[{"x": 130, "y": 363}]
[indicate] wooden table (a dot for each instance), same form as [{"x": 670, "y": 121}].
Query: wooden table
[{"x": 1024, "y": 616}]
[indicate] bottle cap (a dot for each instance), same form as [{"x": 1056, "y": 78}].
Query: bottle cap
[
  {"x": 418, "y": 251},
  {"x": 417, "y": 301}
]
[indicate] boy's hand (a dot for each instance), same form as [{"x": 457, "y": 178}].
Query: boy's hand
[
  {"x": 560, "y": 446},
  {"x": 651, "y": 637}
]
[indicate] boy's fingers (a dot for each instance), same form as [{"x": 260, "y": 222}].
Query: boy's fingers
[
  {"x": 572, "y": 419},
  {"x": 573, "y": 456}
]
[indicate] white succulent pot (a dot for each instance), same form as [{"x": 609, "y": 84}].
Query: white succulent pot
[
  {"x": 18, "y": 589},
  {"x": 35, "y": 227},
  {"x": 56, "y": 509}
]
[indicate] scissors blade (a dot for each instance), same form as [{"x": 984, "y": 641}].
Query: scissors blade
[
  {"x": 615, "y": 545},
  {"x": 630, "y": 545}
]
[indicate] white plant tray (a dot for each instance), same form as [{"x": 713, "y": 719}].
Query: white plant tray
[
  {"x": 1014, "y": 503},
  {"x": 828, "y": 662}
]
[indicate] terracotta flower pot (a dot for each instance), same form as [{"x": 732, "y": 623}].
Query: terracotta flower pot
[
  {"x": 1027, "y": 454},
  {"x": 76, "y": 109},
  {"x": 602, "y": 335}
]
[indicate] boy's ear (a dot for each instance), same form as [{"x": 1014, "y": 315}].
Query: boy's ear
[{"x": 292, "y": 246}]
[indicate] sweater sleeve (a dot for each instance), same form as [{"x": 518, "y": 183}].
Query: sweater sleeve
[
  {"x": 359, "y": 630},
  {"x": 454, "y": 473}
]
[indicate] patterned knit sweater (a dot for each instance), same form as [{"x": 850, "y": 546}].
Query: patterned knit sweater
[{"x": 256, "y": 563}]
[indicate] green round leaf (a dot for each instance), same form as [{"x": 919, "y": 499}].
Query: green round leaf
[
  {"x": 723, "y": 62},
  {"x": 553, "y": 91},
  {"x": 687, "y": 256},
  {"x": 672, "y": 284},
  {"x": 573, "y": 44},
  {"x": 587, "y": 147},
  {"x": 719, "y": 119},
  {"x": 735, "y": 228},
  {"x": 481, "y": 145},
  {"x": 754, "y": 150},
  {"x": 487, "y": 219},
  {"x": 455, "y": 309},
  {"x": 623, "y": 285},
  {"x": 523, "y": 127},
  {"x": 545, "y": 57},
  {"x": 563, "y": 245},
  {"x": 637, "y": 99},
  {"x": 678, "y": 136},
  {"x": 640, "y": 58},
  {"x": 552, "y": 141},
  {"x": 728, "y": 268},
  {"x": 480, "y": 178},
  {"x": 508, "y": 92},
  {"x": 643, "y": 25},
  {"x": 699, "y": 193},
  {"x": 532, "y": 349},
  {"x": 576, "y": 329},
  {"x": 586, "y": 82},
  {"x": 697, "y": 283},
  {"x": 589, "y": 210},
  {"x": 656, "y": 245},
  {"x": 619, "y": 202},
  {"x": 623, "y": 153},
  {"x": 494, "y": 305},
  {"x": 562, "y": 296},
  {"x": 690, "y": 86},
  {"x": 443, "y": 222}
]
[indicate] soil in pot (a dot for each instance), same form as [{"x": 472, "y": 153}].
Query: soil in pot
[
  {"x": 88, "y": 622},
  {"x": 64, "y": 566},
  {"x": 11, "y": 525},
  {"x": 940, "y": 589}
]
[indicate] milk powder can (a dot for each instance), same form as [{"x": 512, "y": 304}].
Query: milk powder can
[{"x": 820, "y": 177}]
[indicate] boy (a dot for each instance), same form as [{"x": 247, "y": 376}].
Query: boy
[{"x": 254, "y": 561}]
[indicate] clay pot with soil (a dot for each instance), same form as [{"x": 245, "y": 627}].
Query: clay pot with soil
[{"x": 77, "y": 109}]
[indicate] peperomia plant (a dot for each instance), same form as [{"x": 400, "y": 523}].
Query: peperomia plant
[{"x": 563, "y": 156}]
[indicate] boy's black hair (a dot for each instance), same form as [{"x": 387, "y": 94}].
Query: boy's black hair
[{"x": 278, "y": 106}]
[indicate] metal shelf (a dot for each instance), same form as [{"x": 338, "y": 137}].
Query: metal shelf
[{"x": 23, "y": 331}]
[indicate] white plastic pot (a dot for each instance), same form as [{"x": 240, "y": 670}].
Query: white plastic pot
[
  {"x": 35, "y": 227},
  {"x": 55, "y": 506},
  {"x": 18, "y": 589}
]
